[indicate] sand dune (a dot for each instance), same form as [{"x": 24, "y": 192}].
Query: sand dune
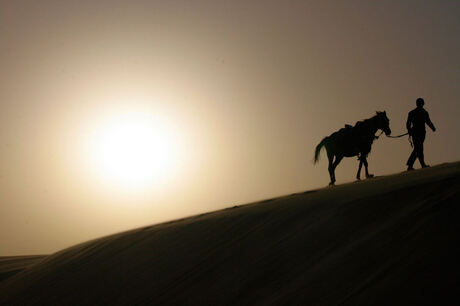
[
  {"x": 10, "y": 265},
  {"x": 386, "y": 241}
]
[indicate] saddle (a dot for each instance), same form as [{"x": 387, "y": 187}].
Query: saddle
[{"x": 355, "y": 137}]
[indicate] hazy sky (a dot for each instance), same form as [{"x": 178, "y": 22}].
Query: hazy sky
[{"x": 245, "y": 89}]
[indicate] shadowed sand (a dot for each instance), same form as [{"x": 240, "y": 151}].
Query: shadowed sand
[
  {"x": 386, "y": 241},
  {"x": 10, "y": 265}
]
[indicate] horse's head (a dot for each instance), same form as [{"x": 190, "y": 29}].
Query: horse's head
[{"x": 383, "y": 122}]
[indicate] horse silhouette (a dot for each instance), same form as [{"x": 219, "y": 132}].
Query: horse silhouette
[{"x": 353, "y": 141}]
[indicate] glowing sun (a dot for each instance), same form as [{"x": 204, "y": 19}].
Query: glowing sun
[{"x": 133, "y": 150}]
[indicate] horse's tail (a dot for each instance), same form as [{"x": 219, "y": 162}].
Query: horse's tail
[{"x": 318, "y": 149}]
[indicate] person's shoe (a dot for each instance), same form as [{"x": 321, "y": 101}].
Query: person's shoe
[{"x": 410, "y": 168}]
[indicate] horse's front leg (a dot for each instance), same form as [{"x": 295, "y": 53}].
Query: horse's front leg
[
  {"x": 368, "y": 175},
  {"x": 358, "y": 175}
]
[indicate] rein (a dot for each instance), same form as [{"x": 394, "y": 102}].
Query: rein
[
  {"x": 389, "y": 136},
  {"x": 410, "y": 140},
  {"x": 410, "y": 137},
  {"x": 396, "y": 136}
]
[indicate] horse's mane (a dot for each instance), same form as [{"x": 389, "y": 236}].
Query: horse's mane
[{"x": 366, "y": 122}]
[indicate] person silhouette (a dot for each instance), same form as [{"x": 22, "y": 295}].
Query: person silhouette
[{"x": 416, "y": 121}]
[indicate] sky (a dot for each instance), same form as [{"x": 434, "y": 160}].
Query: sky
[{"x": 239, "y": 94}]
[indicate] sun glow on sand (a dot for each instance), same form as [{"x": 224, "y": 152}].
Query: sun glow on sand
[{"x": 134, "y": 150}]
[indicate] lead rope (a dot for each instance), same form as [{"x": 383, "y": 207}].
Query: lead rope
[
  {"x": 398, "y": 135},
  {"x": 410, "y": 137}
]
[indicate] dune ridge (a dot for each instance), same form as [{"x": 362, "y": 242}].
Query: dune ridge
[{"x": 392, "y": 240}]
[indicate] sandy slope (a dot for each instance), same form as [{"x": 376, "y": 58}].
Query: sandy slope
[
  {"x": 386, "y": 241},
  {"x": 10, "y": 265}
]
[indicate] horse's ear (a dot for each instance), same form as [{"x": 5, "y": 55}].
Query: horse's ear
[{"x": 385, "y": 113}]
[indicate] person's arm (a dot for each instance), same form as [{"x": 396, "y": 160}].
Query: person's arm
[
  {"x": 428, "y": 121},
  {"x": 409, "y": 123}
]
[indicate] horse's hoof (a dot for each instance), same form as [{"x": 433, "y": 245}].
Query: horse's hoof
[
  {"x": 358, "y": 178},
  {"x": 331, "y": 184},
  {"x": 369, "y": 176}
]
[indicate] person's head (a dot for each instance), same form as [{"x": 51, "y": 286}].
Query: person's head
[{"x": 420, "y": 102}]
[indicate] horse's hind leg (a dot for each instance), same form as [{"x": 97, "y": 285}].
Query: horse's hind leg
[
  {"x": 368, "y": 175},
  {"x": 330, "y": 157},
  {"x": 338, "y": 159}
]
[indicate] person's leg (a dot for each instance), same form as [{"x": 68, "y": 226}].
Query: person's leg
[
  {"x": 419, "y": 149},
  {"x": 411, "y": 160}
]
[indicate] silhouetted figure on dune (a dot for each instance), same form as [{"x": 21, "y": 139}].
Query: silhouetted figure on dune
[
  {"x": 353, "y": 141},
  {"x": 416, "y": 128}
]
